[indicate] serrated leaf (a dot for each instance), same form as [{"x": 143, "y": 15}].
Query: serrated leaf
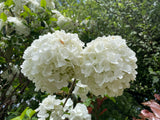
[
  {"x": 43, "y": 3},
  {"x": 3, "y": 16},
  {"x": 30, "y": 112}
]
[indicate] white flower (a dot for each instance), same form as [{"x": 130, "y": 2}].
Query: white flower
[
  {"x": 56, "y": 14},
  {"x": 80, "y": 112},
  {"x": 64, "y": 22},
  {"x": 81, "y": 90},
  {"x": 50, "y": 4},
  {"x": 49, "y": 104},
  {"x": 19, "y": 6},
  {"x": 68, "y": 105},
  {"x": 53, "y": 109},
  {"x": 2, "y": 5},
  {"x": 108, "y": 65},
  {"x": 52, "y": 60},
  {"x": 34, "y": 5},
  {"x": 20, "y": 28}
]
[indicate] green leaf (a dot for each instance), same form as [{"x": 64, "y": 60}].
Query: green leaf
[
  {"x": 3, "y": 16},
  {"x": 155, "y": 79},
  {"x": 121, "y": 5},
  {"x": 24, "y": 14},
  {"x": 53, "y": 19},
  {"x": 111, "y": 98},
  {"x": 88, "y": 102},
  {"x": 65, "y": 89},
  {"x": 21, "y": 116},
  {"x": 126, "y": 118},
  {"x": 89, "y": 17},
  {"x": 43, "y": 3},
  {"x": 17, "y": 118},
  {"x": 151, "y": 71},
  {"x": 30, "y": 112},
  {"x": 23, "y": 113},
  {"x": 2, "y": 60},
  {"x": 9, "y": 3},
  {"x": 27, "y": 9}
]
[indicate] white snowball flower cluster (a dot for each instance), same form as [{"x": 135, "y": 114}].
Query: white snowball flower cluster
[
  {"x": 108, "y": 65},
  {"x": 53, "y": 109},
  {"x": 50, "y": 4},
  {"x": 34, "y": 5},
  {"x": 52, "y": 105},
  {"x": 19, "y": 6},
  {"x": 52, "y": 60},
  {"x": 20, "y": 27},
  {"x": 62, "y": 21}
]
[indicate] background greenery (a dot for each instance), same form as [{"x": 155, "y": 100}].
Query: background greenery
[{"x": 137, "y": 21}]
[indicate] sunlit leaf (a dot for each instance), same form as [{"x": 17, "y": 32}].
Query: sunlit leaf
[
  {"x": 30, "y": 112},
  {"x": 3, "y": 16},
  {"x": 43, "y": 3}
]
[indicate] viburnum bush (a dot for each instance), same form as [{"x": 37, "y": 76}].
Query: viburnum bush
[
  {"x": 56, "y": 60},
  {"x": 104, "y": 66}
]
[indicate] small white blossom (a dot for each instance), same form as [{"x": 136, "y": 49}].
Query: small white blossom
[
  {"x": 17, "y": 9},
  {"x": 34, "y": 5},
  {"x": 53, "y": 108},
  {"x": 20, "y": 27},
  {"x": 80, "y": 112},
  {"x": 64, "y": 22},
  {"x": 50, "y": 4},
  {"x": 81, "y": 90},
  {"x": 2, "y": 5},
  {"x": 56, "y": 14}
]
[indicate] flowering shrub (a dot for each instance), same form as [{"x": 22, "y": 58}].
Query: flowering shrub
[{"x": 104, "y": 66}]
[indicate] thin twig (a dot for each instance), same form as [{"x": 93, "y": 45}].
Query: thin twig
[{"x": 70, "y": 91}]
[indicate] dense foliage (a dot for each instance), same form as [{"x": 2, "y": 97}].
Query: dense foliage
[{"x": 137, "y": 21}]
